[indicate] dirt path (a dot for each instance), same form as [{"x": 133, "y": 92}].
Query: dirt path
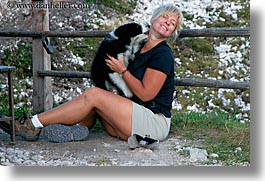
[{"x": 99, "y": 150}]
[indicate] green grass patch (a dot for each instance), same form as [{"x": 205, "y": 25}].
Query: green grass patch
[
  {"x": 122, "y": 6},
  {"x": 21, "y": 58},
  {"x": 4, "y": 110},
  {"x": 85, "y": 49},
  {"x": 221, "y": 133}
]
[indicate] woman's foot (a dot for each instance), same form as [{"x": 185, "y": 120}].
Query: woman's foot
[
  {"x": 23, "y": 128},
  {"x": 136, "y": 141}
]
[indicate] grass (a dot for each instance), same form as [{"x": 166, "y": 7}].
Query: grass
[
  {"x": 218, "y": 132},
  {"x": 122, "y": 6},
  {"x": 103, "y": 161},
  {"x": 21, "y": 58},
  {"x": 85, "y": 49}
]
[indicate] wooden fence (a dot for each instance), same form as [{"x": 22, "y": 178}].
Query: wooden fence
[
  {"x": 206, "y": 32},
  {"x": 228, "y": 84},
  {"x": 42, "y": 73}
]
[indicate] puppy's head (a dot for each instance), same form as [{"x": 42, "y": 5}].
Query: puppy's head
[{"x": 127, "y": 31}]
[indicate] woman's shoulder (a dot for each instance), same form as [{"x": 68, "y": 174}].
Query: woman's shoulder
[
  {"x": 162, "y": 49},
  {"x": 162, "y": 46}
]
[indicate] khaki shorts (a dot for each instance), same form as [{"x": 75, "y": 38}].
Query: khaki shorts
[{"x": 147, "y": 123}]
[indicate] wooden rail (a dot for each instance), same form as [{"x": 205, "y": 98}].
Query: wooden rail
[
  {"x": 207, "y": 32},
  {"x": 227, "y": 84},
  {"x": 178, "y": 81},
  {"x": 215, "y": 32}
]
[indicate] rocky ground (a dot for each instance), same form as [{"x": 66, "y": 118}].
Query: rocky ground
[{"x": 101, "y": 150}]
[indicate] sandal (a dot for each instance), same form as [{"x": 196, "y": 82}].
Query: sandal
[{"x": 136, "y": 141}]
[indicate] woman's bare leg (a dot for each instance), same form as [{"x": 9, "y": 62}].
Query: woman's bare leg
[
  {"x": 90, "y": 120},
  {"x": 115, "y": 110}
]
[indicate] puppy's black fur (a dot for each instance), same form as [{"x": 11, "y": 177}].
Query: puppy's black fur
[{"x": 113, "y": 44}]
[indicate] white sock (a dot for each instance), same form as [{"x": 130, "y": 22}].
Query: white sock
[{"x": 36, "y": 122}]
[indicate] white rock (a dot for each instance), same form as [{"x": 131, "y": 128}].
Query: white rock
[{"x": 197, "y": 154}]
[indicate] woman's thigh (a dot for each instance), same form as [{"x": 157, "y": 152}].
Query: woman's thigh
[{"x": 115, "y": 110}]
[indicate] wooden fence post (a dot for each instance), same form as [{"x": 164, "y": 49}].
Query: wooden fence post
[{"x": 42, "y": 86}]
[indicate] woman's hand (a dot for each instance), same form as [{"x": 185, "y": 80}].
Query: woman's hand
[{"x": 115, "y": 64}]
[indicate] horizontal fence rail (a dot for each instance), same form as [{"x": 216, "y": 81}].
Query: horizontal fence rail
[
  {"x": 215, "y": 32},
  {"x": 227, "y": 84},
  {"x": 178, "y": 81},
  {"x": 66, "y": 74},
  {"x": 206, "y": 32}
]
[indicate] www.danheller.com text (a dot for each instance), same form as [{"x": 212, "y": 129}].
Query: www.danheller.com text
[{"x": 50, "y": 5}]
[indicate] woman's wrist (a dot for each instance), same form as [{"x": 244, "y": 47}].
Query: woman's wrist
[{"x": 123, "y": 72}]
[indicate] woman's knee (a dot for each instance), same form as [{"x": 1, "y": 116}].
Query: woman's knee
[
  {"x": 90, "y": 94},
  {"x": 91, "y": 91}
]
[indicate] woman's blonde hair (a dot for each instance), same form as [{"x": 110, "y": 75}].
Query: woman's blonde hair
[{"x": 169, "y": 9}]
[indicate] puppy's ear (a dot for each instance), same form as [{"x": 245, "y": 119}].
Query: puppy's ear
[
  {"x": 123, "y": 33},
  {"x": 119, "y": 32},
  {"x": 127, "y": 31}
]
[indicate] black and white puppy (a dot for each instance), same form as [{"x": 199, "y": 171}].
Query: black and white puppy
[{"x": 124, "y": 42}]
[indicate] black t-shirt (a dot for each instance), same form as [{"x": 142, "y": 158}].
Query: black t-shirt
[{"x": 159, "y": 58}]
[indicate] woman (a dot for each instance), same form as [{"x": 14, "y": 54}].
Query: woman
[{"x": 151, "y": 79}]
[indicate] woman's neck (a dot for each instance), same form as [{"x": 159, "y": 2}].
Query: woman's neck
[{"x": 151, "y": 43}]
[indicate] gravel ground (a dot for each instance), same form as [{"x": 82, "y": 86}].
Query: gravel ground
[{"x": 99, "y": 150}]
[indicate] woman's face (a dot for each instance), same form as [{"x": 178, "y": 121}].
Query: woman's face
[{"x": 165, "y": 25}]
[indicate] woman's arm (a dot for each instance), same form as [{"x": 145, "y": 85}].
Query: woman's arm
[
  {"x": 146, "y": 89},
  {"x": 149, "y": 87}
]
